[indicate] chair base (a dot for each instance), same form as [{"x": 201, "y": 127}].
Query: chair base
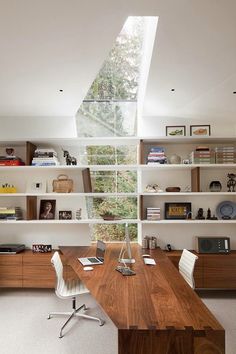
[{"x": 72, "y": 314}]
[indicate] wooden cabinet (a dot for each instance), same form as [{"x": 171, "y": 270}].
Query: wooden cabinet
[
  {"x": 38, "y": 271},
  {"x": 219, "y": 271},
  {"x": 212, "y": 271},
  {"x": 11, "y": 270}
]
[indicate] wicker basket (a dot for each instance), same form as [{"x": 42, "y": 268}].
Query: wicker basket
[{"x": 62, "y": 184}]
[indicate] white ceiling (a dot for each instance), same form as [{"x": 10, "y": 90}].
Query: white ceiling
[{"x": 50, "y": 45}]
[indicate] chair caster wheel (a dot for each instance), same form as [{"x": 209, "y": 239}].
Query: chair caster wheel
[
  {"x": 49, "y": 317},
  {"x": 101, "y": 323}
]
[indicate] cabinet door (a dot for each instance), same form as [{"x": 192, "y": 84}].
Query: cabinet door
[
  {"x": 11, "y": 271},
  {"x": 38, "y": 271},
  {"x": 220, "y": 271}
]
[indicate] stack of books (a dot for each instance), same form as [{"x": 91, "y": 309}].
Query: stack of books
[
  {"x": 13, "y": 213},
  {"x": 202, "y": 155},
  {"x": 225, "y": 154},
  {"x": 45, "y": 157},
  {"x": 11, "y": 161},
  {"x": 153, "y": 213},
  {"x": 156, "y": 155}
]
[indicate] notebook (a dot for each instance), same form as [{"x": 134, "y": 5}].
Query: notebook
[{"x": 98, "y": 259}]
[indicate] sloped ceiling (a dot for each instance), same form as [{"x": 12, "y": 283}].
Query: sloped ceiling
[
  {"x": 50, "y": 45},
  {"x": 194, "y": 53}
]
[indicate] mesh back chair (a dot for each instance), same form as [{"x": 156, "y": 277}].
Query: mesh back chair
[
  {"x": 69, "y": 289},
  {"x": 186, "y": 266}
]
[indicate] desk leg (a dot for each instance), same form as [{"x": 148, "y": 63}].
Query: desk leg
[{"x": 170, "y": 341}]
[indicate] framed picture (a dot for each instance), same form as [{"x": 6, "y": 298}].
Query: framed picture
[
  {"x": 200, "y": 130},
  {"x": 36, "y": 187},
  {"x": 177, "y": 210},
  {"x": 40, "y": 248},
  {"x": 65, "y": 215},
  {"x": 176, "y": 130},
  {"x": 47, "y": 209}
]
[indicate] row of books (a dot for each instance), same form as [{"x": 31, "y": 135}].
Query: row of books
[
  {"x": 45, "y": 157},
  {"x": 153, "y": 213},
  {"x": 219, "y": 155},
  {"x": 12, "y": 213},
  {"x": 156, "y": 155},
  {"x": 11, "y": 161}
]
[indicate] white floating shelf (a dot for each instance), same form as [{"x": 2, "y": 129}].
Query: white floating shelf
[
  {"x": 185, "y": 167},
  {"x": 77, "y": 167},
  {"x": 189, "y": 222},
  {"x": 82, "y": 194},
  {"x": 74, "y": 221},
  {"x": 189, "y": 139},
  {"x": 197, "y": 194}
]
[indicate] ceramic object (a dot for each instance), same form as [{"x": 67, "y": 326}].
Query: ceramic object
[
  {"x": 175, "y": 159},
  {"x": 215, "y": 186}
]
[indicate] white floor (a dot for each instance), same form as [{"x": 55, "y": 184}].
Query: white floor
[{"x": 24, "y": 328}]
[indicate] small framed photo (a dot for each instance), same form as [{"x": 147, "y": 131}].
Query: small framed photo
[
  {"x": 40, "y": 248},
  {"x": 177, "y": 210},
  {"x": 47, "y": 209},
  {"x": 36, "y": 187},
  {"x": 200, "y": 130},
  {"x": 176, "y": 131},
  {"x": 65, "y": 215}
]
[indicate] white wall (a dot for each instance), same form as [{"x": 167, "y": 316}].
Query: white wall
[
  {"x": 155, "y": 126},
  {"x": 37, "y": 127}
]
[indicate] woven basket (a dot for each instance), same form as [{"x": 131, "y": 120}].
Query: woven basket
[{"x": 62, "y": 184}]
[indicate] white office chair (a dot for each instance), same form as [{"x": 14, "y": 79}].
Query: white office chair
[
  {"x": 69, "y": 290},
  {"x": 186, "y": 266}
]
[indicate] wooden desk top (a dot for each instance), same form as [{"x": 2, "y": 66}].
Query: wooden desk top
[{"x": 157, "y": 297}]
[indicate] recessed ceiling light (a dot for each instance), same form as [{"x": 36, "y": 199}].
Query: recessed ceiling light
[
  {"x": 172, "y": 89},
  {"x": 61, "y": 90},
  {"x": 234, "y": 92}
]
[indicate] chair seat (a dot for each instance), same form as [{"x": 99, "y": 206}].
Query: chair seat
[{"x": 71, "y": 288}]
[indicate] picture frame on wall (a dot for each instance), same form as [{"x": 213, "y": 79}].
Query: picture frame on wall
[
  {"x": 200, "y": 130},
  {"x": 65, "y": 215},
  {"x": 36, "y": 187},
  {"x": 177, "y": 211},
  {"x": 176, "y": 131},
  {"x": 47, "y": 209}
]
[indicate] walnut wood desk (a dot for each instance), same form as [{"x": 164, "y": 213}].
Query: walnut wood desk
[{"x": 155, "y": 311}]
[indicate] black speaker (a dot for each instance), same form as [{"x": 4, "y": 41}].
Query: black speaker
[{"x": 213, "y": 244}]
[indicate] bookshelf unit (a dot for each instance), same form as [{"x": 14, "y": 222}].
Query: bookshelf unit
[{"x": 179, "y": 233}]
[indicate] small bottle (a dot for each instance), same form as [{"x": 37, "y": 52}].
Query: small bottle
[
  {"x": 152, "y": 244},
  {"x": 144, "y": 243}
]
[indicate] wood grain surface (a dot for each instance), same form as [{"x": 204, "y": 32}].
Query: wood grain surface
[{"x": 153, "y": 310}]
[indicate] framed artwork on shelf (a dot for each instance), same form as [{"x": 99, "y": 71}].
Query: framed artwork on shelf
[
  {"x": 36, "y": 187},
  {"x": 175, "y": 211},
  {"x": 200, "y": 130},
  {"x": 65, "y": 215},
  {"x": 176, "y": 131},
  {"x": 47, "y": 209}
]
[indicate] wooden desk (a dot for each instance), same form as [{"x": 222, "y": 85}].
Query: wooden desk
[{"x": 155, "y": 311}]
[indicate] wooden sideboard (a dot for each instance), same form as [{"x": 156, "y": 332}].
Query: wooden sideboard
[
  {"x": 29, "y": 270},
  {"x": 34, "y": 270},
  {"x": 212, "y": 271}
]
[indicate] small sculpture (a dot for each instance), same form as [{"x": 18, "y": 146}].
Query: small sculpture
[
  {"x": 200, "y": 215},
  {"x": 70, "y": 160},
  {"x": 208, "y": 214},
  {"x": 231, "y": 182},
  {"x": 215, "y": 186}
]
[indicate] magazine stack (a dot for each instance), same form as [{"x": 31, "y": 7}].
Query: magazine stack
[
  {"x": 156, "y": 155},
  {"x": 12, "y": 213},
  {"x": 45, "y": 157},
  {"x": 153, "y": 213}
]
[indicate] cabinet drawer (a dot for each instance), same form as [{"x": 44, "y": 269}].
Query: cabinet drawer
[
  {"x": 37, "y": 259},
  {"x": 39, "y": 276},
  {"x": 10, "y": 276},
  {"x": 11, "y": 259},
  {"x": 220, "y": 272}
]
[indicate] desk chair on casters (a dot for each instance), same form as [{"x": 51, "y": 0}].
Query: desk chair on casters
[
  {"x": 69, "y": 290},
  {"x": 187, "y": 265}
]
